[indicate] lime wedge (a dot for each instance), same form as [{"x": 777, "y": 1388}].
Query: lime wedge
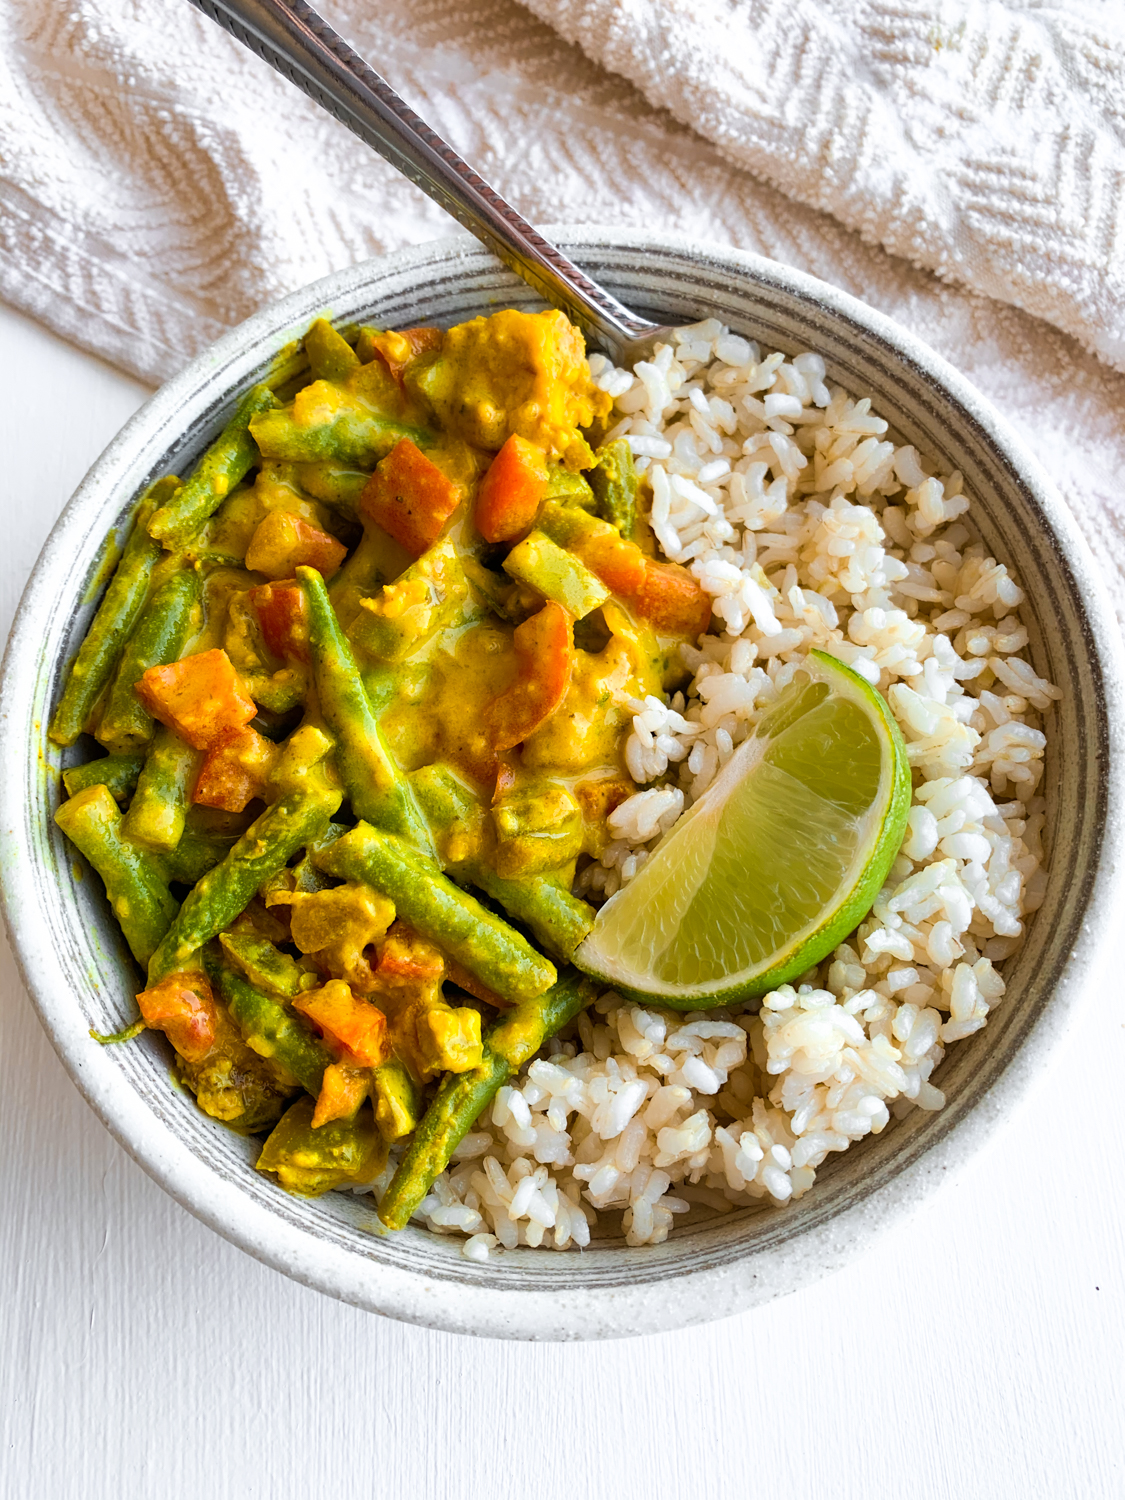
[{"x": 776, "y": 863}]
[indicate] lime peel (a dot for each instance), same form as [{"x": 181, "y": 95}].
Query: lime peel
[{"x": 777, "y": 862}]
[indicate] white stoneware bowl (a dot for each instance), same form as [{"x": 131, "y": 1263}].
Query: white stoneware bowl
[{"x": 80, "y": 976}]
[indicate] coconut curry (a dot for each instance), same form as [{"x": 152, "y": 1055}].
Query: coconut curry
[{"x": 362, "y": 684}]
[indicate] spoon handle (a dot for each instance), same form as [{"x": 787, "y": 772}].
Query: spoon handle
[{"x": 294, "y": 39}]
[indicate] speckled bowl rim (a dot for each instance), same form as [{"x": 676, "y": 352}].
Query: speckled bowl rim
[{"x": 576, "y": 1311}]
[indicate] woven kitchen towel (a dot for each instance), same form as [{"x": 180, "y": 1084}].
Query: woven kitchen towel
[
  {"x": 158, "y": 183},
  {"x": 984, "y": 140}
]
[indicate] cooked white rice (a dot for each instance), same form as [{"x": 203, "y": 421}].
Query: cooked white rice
[{"x": 810, "y": 528}]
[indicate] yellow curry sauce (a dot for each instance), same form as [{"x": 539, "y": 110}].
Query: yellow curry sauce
[{"x": 365, "y": 721}]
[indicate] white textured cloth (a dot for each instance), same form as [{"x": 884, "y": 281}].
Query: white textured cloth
[
  {"x": 985, "y": 141},
  {"x": 158, "y": 183}
]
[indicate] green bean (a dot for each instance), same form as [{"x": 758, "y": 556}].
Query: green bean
[
  {"x": 539, "y": 831},
  {"x": 333, "y": 484},
  {"x": 228, "y": 459},
  {"x": 454, "y": 811},
  {"x": 376, "y": 560},
  {"x": 126, "y": 1034},
  {"x": 298, "y": 818},
  {"x": 264, "y": 964},
  {"x": 111, "y": 625},
  {"x": 174, "y": 611},
  {"x": 117, "y": 772},
  {"x": 497, "y": 593},
  {"x": 556, "y": 574},
  {"x": 134, "y": 880},
  {"x": 348, "y": 432},
  {"x": 460, "y": 1100},
  {"x": 557, "y": 919},
  {"x": 289, "y": 366},
  {"x": 383, "y": 683},
  {"x": 195, "y": 854},
  {"x": 430, "y": 903},
  {"x": 330, "y": 356},
  {"x": 376, "y": 788},
  {"x": 398, "y": 1100},
  {"x": 271, "y": 1031},
  {"x": 568, "y": 526},
  {"x": 303, "y": 877},
  {"x": 519, "y": 1035},
  {"x": 613, "y": 480},
  {"x": 308, "y": 1162},
  {"x": 160, "y": 803},
  {"x": 569, "y": 489},
  {"x": 445, "y": 602},
  {"x": 462, "y": 1097}
]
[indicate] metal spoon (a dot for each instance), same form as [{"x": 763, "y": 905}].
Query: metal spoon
[{"x": 294, "y": 39}]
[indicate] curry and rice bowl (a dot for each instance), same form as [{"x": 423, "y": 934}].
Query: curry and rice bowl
[
  {"x": 450, "y": 637},
  {"x": 809, "y": 527}
]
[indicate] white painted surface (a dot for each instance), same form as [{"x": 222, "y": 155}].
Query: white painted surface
[{"x": 976, "y": 1351}]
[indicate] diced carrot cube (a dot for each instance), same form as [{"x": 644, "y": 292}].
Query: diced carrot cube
[
  {"x": 545, "y": 651},
  {"x": 671, "y": 600},
  {"x": 353, "y": 1023},
  {"x": 282, "y": 612},
  {"x": 511, "y": 491},
  {"x": 284, "y": 542},
  {"x": 183, "y": 1008},
  {"x": 410, "y": 497},
  {"x": 201, "y": 698},
  {"x": 397, "y": 350},
  {"x": 235, "y": 771},
  {"x": 342, "y": 1090},
  {"x": 619, "y": 563}
]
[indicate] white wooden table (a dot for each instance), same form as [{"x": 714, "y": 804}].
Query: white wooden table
[{"x": 976, "y": 1351}]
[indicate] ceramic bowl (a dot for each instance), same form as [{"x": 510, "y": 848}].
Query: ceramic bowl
[{"x": 80, "y": 976}]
